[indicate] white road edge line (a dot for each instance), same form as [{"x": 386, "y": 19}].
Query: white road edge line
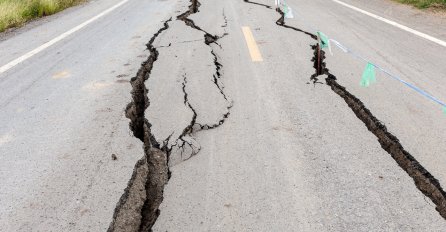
[
  {"x": 395, "y": 24},
  {"x": 46, "y": 45}
]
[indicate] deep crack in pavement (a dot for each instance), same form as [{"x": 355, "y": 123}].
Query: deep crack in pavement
[
  {"x": 423, "y": 179},
  {"x": 138, "y": 207}
]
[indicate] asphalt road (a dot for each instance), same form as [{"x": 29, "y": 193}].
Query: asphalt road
[{"x": 252, "y": 143}]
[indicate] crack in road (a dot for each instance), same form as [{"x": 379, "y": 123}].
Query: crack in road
[
  {"x": 256, "y": 3},
  {"x": 194, "y": 8},
  {"x": 423, "y": 179},
  {"x": 181, "y": 141},
  {"x": 138, "y": 207},
  {"x": 193, "y": 126},
  {"x": 281, "y": 22}
]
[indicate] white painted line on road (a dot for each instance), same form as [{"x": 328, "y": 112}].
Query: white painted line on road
[
  {"x": 395, "y": 24},
  {"x": 57, "y": 39},
  {"x": 254, "y": 51}
]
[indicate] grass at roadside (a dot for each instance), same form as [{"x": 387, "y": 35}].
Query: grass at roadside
[
  {"x": 425, "y": 3},
  {"x": 15, "y": 13}
]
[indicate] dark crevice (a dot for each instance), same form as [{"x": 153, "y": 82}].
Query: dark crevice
[
  {"x": 256, "y": 3},
  {"x": 193, "y": 126},
  {"x": 194, "y": 8},
  {"x": 423, "y": 179},
  {"x": 217, "y": 75},
  {"x": 319, "y": 64},
  {"x": 181, "y": 141},
  {"x": 137, "y": 209},
  {"x": 281, "y": 22},
  {"x": 135, "y": 110},
  {"x": 189, "y": 128}
]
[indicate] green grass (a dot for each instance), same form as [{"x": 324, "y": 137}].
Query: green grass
[
  {"x": 15, "y": 13},
  {"x": 422, "y": 4}
]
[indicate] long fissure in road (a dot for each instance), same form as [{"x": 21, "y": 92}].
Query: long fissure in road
[
  {"x": 422, "y": 178},
  {"x": 138, "y": 207}
]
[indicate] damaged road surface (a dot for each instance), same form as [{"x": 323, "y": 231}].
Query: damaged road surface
[
  {"x": 291, "y": 156},
  {"x": 66, "y": 150},
  {"x": 282, "y": 155},
  {"x": 182, "y": 121}
]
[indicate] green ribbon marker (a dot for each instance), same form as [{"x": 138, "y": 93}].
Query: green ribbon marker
[
  {"x": 285, "y": 9},
  {"x": 323, "y": 40},
  {"x": 444, "y": 110},
  {"x": 369, "y": 75}
]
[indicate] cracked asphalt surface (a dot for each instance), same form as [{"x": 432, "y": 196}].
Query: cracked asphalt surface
[{"x": 218, "y": 142}]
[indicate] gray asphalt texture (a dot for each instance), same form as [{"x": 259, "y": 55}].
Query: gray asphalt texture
[
  {"x": 290, "y": 156},
  {"x": 62, "y": 114}
]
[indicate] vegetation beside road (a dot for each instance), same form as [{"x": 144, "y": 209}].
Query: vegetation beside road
[
  {"x": 425, "y": 3},
  {"x": 15, "y": 13}
]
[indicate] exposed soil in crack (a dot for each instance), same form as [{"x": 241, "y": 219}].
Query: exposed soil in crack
[
  {"x": 138, "y": 207},
  {"x": 423, "y": 179},
  {"x": 319, "y": 64},
  {"x": 135, "y": 110}
]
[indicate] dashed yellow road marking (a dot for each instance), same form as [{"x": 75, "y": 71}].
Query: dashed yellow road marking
[{"x": 254, "y": 51}]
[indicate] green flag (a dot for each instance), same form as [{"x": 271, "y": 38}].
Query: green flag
[
  {"x": 444, "y": 110},
  {"x": 323, "y": 40},
  {"x": 285, "y": 9},
  {"x": 369, "y": 75}
]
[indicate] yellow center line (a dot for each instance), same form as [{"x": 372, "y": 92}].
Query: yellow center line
[{"x": 252, "y": 45}]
